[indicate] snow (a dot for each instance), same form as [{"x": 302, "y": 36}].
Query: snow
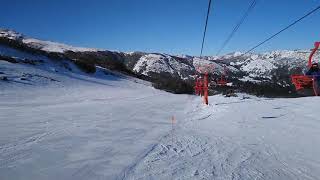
[
  {"x": 239, "y": 138},
  {"x": 11, "y": 52},
  {"x": 207, "y": 65},
  {"x": 53, "y": 46},
  {"x": 79, "y": 127},
  {"x": 259, "y": 66},
  {"x": 280, "y": 54},
  {"x": 10, "y": 34},
  {"x": 249, "y": 79},
  {"x": 161, "y": 63},
  {"x": 42, "y": 45},
  {"x": 109, "y": 127},
  {"x": 153, "y": 63}
]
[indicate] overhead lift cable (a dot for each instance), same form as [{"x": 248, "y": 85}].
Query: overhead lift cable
[
  {"x": 287, "y": 27},
  {"x": 205, "y": 27},
  {"x": 235, "y": 29}
]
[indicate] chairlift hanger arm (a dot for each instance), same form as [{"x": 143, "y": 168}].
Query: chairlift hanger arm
[{"x": 316, "y": 47}]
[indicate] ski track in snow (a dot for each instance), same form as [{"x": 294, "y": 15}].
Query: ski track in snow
[{"x": 94, "y": 127}]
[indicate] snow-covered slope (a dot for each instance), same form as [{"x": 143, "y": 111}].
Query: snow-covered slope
[
  {"x": 261, "y": 65},
  {"x": 68, "y": 125},
  {"x": 162, "y": 63},
  {"x": 47, "y": 46},
  {"x": 4, "y": 33},
  {"x": 238, "y": 138},
  {"x": 53, "y": 46}
]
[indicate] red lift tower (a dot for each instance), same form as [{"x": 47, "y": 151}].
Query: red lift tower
[{"x": 202, "y": 84}]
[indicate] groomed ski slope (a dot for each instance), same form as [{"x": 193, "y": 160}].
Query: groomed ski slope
[
  {"x": 102, "y": 126},
  {"x": 78, "y": 126},
  {"x": 239, "y": 138}
]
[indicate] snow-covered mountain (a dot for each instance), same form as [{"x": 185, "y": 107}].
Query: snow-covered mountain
[
  {"x": 160, "y": 63},
  {"x": 264, "y": 69},
  {"x": 263, "y": 64},
  {"x": 40, "y": 44}
]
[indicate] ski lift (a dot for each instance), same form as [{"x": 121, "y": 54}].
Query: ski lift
[
  {"x": 308, "y": 84},
  {"x": 202, "y": 83},
  {"x": 222, "y": 81}
]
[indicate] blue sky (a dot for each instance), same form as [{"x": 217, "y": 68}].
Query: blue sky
[{"x": 168, "y": 26}]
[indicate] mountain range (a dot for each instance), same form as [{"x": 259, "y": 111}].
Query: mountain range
[{"x": 263, "y": 74}]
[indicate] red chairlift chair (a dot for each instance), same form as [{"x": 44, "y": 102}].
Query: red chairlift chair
[{"x": 307, "y": 84}]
